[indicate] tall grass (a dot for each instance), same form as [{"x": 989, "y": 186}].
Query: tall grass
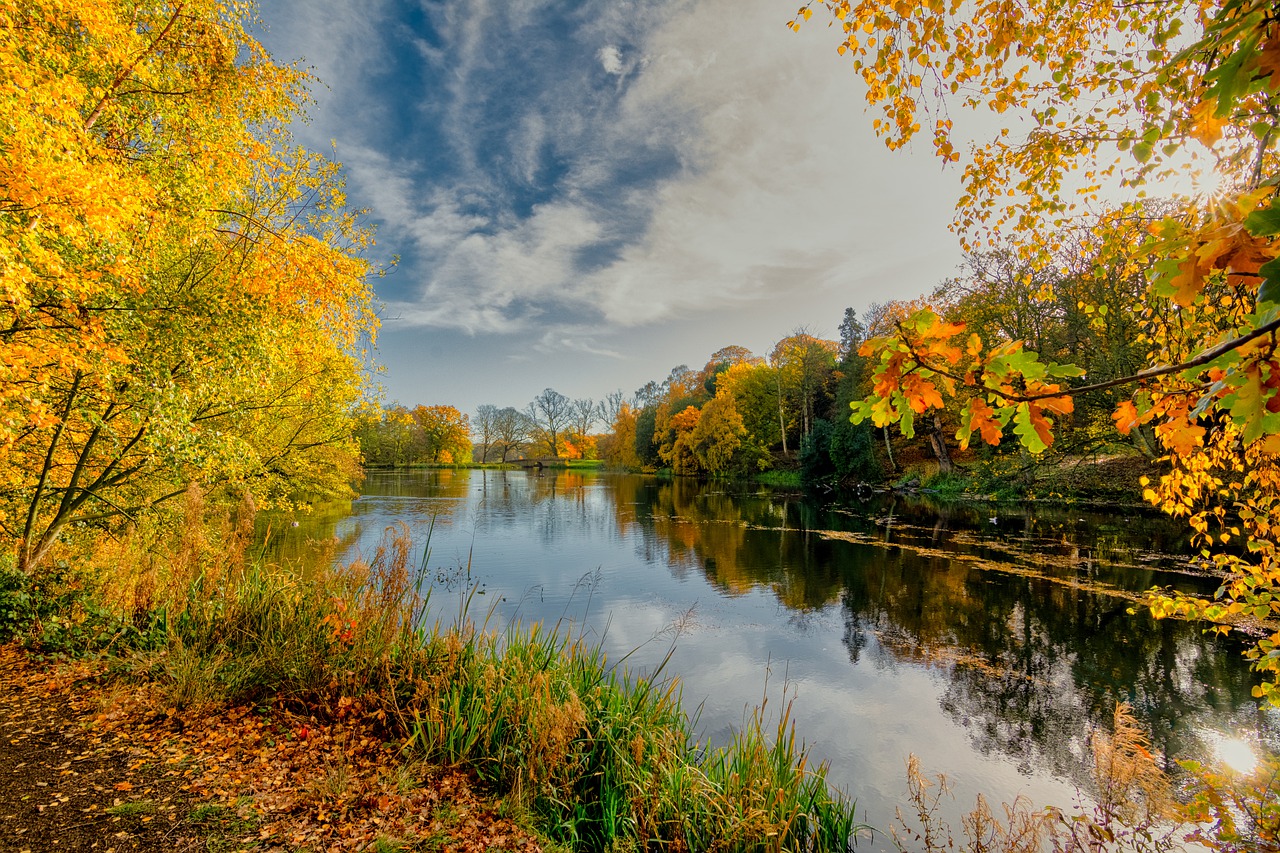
[{"x": 598, "y": 759}]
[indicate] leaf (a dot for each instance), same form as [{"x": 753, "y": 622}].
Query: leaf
[
  {"x": 1264, "y": 222},
  {"x": 1064, "y": 370},
  {"x": 1125, "y": 416},
  {"x": 1270, "y": 289},
  {"x": 1032, "y": 427}
]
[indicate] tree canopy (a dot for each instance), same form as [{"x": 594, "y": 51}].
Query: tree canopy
[
  {"x": 1120, "y": 102},
  {"x": 183, "y": 292}
]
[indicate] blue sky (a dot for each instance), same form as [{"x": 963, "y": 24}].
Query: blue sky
[{"x": 583, "y": 195}]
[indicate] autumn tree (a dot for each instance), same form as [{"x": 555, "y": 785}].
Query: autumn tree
[
  {"x": 618, "y": 449},
  {"x": 723, "y": 359},
  {"x": 717, "y": 435},
  {"x": 1117, "y": 98},
  {"x": 677, "y": 444},
  {"x": 445, "y": 434},
  {"x": 183, "y": 291},
  {"x": 803, "y": 366},
  {"x": 753, "y": 389}
]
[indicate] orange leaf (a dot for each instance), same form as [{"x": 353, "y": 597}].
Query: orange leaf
[{"x": 1125, "y": 416}]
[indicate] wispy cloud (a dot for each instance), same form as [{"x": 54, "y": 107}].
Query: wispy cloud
[{"x": 561, "y": 169}]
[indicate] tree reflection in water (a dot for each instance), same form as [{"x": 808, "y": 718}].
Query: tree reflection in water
[{"x": 1022, "y": 611}]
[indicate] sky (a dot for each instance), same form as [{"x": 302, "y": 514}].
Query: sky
[{"x": 584, "y": 195}]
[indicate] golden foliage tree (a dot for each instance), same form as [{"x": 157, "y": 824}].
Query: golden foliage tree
[
  {"x": 183, "y": 293},
  {"x": 445, "y": 434},
  {"x": 1118, "y": 99}
]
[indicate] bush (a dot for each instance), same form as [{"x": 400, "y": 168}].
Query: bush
[{"x": 59, "y": 611}]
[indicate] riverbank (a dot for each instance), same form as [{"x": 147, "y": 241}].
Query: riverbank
[
  {"x": 98, "y": 762},
  {"x": 241, "y": 706},
  {"x": 1095, "y": 480}
]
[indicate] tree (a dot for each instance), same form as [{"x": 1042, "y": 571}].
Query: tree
[
  {"x": 610, "y": 406},
  {"x": 484, "y": 426},
  {"x": 804, "y": 366},
  {"x": 753, "y": 390},
  {"x": 852, "y": 334},
  {"x": 445, "y": 434},
  {"x": 677, "y": 446},
  {"x": 183, "y": 293},
  {"x": 585, "y": 414},
  {"x": 721, "y": 360},
  {"x": 387, "y": 436},
  {"x": 717, "y": 435},
  {"x": 549, "y": 413},
  {"x": 646, "y": 433},
  {"x": 1117, "y": 97},
  {"x": 511, "y": 429},
  {"x": 619, "y": 448}
]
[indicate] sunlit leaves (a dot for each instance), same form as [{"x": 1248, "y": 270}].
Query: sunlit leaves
[{"x": 184, "y": 294}]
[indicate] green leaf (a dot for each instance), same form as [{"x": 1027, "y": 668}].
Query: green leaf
[
  {"x": 908, "y": 422},
  {"x": 1063, "y": 370},
  {"x": 1270, "y": 289},
  {"x": 1142, "y": 152},
  {"x": 1022, "y": 428},
  {"x": 1264, "y": 222}
]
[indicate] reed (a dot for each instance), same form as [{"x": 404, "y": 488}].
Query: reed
[{"x": 598, "y": 759}]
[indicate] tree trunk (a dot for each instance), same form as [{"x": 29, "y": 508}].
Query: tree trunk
[
  {"x": 1140, "y": 440},
  {"x": 782, "y": 424},
  {"x": 939, "y": 442}
]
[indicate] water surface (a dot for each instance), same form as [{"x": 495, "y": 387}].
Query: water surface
[{"x": 986, "y": 640}]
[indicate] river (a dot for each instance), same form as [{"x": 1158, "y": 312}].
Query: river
[{"x": 988, "y": 640}]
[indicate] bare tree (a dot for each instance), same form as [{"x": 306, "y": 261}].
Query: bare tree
[
  {"x": 550, "y": 413},
  {"x": 584, "y": 415},
  {"x": 608, "y": 408},
  {"x": 483, "y": 426},
  {"x": 510, "y": 430}
]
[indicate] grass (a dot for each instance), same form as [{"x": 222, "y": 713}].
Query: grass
[
  {"x": 224, "y": 826},
  {"x": 133, "y": 808},
  {"x": 595, "y": 758},
  {"x": 779, "y": 478}
]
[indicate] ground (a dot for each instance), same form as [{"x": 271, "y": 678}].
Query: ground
[{"x": 90, "y": 762}]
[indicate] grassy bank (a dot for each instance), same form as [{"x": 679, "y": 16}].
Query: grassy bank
[
  {"x": 1059, "y": 478},
  {"x": 591, "y": 758}
]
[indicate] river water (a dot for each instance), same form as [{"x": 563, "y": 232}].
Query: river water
[{"x": 987, "y": 640}]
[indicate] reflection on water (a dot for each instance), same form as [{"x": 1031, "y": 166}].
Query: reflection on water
[{"x": 986, "y": 640}]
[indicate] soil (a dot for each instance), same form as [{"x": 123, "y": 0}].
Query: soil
[
  {"x": 64, "y": 786},
  {"x": 90, "y": 762}
]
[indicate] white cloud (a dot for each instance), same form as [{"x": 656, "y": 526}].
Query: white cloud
[
  {"x": 774, "y": 207},
  {"x": 773, "y": 199},
  {"x": 611, "y": 59}
]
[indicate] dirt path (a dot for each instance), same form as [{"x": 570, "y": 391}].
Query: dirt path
[
  {"x": 91, "y": 765},
  {"x": 66, "y": 787}
]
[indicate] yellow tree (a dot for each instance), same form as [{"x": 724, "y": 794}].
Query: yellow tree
[
  {"x": 183, "y": 294},
  {"x": 754, "y": 392},
  {"x": 718, "y": 434},
  {"x": 677, "y": 446},
  {"x": 618, "y": 449},
  {"x": 445, "y": 434},
  {"x": 803, "y": 366},
  {"x": 1118, "y": 98}
]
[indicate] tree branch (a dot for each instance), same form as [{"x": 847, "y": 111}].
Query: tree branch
[{"x": 1150, "y": 373}]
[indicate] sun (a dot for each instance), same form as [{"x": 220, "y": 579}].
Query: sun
[
  {"x": 1237, "y": 754},
  {"x": 1208, "y": 184}
]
